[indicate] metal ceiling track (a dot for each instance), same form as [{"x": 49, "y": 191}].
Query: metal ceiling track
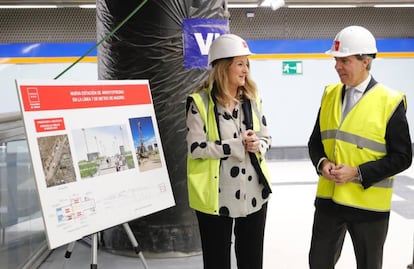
[{"x": 69, "y": 3}]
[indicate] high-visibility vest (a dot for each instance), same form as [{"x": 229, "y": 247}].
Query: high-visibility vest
[
  {"x": 357, "y": 139},
  {"x": 203, "y": 174}
]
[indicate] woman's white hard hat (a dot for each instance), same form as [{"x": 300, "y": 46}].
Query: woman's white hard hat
[
  {"x": 353, "y": 40},
  {"x": 226, "y": 46}
]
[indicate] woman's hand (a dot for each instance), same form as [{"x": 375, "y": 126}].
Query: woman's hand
[{"x": 251, "y": 141}]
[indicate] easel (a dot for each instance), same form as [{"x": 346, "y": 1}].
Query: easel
[
  {"x": 94, "y": 245},
  {"x": 411, "y": 266}
]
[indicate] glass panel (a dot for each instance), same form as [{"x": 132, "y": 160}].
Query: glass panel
[{"x": 21, "y": 224}]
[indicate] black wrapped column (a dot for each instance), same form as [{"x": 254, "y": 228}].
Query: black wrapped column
[{"x": 150, "y": 46}]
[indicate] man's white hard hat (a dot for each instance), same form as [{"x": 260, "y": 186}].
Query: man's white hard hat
[
  {"x": 226, "y": 46},
  {"x": 353, "y": 40}
]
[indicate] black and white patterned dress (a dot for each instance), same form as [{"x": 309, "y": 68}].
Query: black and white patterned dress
[{"x": 240, "y": 192}]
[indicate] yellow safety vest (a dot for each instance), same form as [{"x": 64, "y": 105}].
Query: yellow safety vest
[
  {"x": 357, "y": 139},
  {"x": 203, "y": 174}
]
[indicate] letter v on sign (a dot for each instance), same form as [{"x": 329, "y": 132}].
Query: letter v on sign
[{"x": 204, "y": 45}]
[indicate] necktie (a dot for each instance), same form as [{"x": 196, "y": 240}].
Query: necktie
[{"x": 349, "y": 96}]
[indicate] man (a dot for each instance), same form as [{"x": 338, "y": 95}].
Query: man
[{"x": 359, "y": 142}]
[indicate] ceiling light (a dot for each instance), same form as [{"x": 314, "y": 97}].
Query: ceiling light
[
  {"x": 242, "y": 5},
  {"x": 395, "y": 5},
  {"x": 322, "y": 6},
  {"x": 274, "y": 4},
  {"x": 28, "y": 6},
  {"x": 87, "y": 6}
]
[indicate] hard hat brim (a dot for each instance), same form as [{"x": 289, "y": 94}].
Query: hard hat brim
[
  {"x": 210, "y": 61},
  {"x": 337, "y": 53},
  {"x": 342, "y": 54}
]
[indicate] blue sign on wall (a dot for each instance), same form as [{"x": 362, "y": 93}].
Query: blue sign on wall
[{"x": 198, "y": 34}]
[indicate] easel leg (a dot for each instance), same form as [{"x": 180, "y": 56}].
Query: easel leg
[
  {"x": 135, "y": 244},
  {"x": 94, "y": 258},
  {"x": 68, "y": 253},
  {"x": 411, "y": 266},
  {"x": 69, "y": 250}
]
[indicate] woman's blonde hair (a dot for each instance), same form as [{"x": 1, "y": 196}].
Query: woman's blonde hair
[{"x": 219, "y": 76}]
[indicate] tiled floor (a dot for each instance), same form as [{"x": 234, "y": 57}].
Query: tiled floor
[{"x": 288, "y": 229}]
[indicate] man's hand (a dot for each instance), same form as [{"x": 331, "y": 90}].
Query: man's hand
[
  {"x": 327, "y": 167},
  {"x": 344, "y": 173}
]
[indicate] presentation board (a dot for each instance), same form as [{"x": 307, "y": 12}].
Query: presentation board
[{"x": 96, "y": 153}]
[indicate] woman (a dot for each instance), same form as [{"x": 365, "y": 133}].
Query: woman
[{"x": 227, "y": 140}]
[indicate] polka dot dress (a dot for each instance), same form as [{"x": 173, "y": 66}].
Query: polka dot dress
[{"x": 240, "y": 192}]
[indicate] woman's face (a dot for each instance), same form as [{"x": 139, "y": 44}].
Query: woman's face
[{"x": 237, "y": 72}]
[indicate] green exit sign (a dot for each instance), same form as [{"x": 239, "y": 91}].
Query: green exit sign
[{"x": 292, "y": 68}]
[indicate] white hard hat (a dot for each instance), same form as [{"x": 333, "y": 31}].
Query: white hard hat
[
  {"x": 353, "y": 40},
  {"x": 226, "y": 46}
]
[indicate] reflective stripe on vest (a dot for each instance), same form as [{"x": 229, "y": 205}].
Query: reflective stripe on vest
[{"x": 355, "y": 140}]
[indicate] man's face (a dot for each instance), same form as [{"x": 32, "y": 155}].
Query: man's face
[{"x": 351, "y": 71}]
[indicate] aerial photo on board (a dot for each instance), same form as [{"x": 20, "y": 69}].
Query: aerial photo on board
[{"x": 56, "y": 159}]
